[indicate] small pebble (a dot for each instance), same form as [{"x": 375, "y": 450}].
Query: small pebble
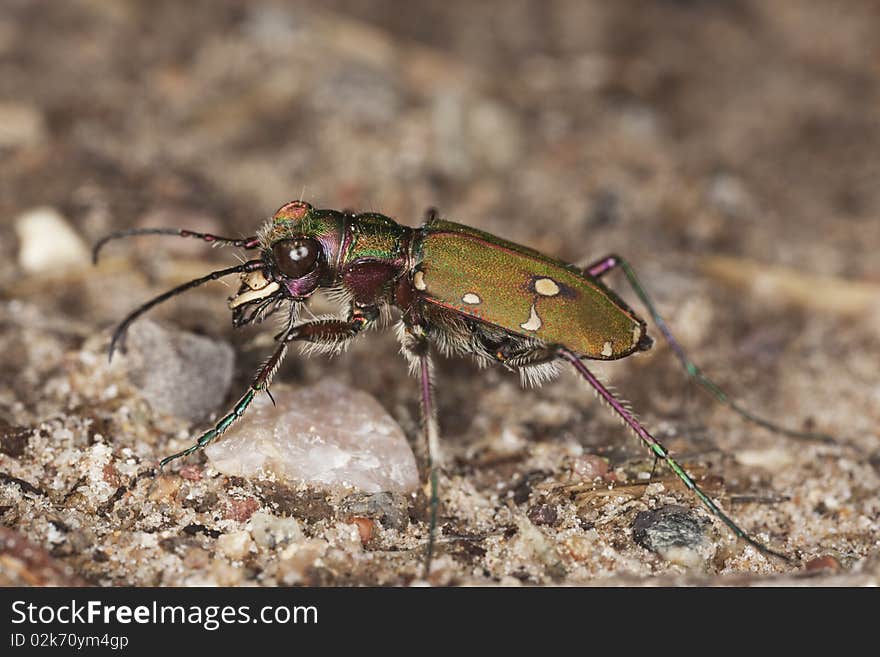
[
  {"x": 47, "y": 243},
  {"x": 271, "y": 531},
  {"x": 365, "y": 528},
  {"x": 589, "y": 467},
  {"x": 826, "y": 562},
  {"x": 21, "y": 125},
  {"x": 327, "y": 435},
  {"x": 191, "y": 472},
  {"x": 226, "y": 574},
  {"x": 13, "y": 439},
  {"x": 235, "y": 545},
  {"x": 178, "y": 373},
  {"x": 195, "y": 558},
  {"x": 774, "y": 458},
  {"x": 543, "y": 514},
  {"x": 296, "y": 561},
  {"x": 240, "y": 509},
  {"x": 674, "y": 533},
  {"x": 164, "y": 487},
  {"x": 389, "y": 509}
]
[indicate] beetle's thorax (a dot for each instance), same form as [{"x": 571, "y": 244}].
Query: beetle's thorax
[{"x": 373, "y": 237}]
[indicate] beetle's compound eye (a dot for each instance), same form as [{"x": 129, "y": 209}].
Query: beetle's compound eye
[{"x": 296, "y": 258}]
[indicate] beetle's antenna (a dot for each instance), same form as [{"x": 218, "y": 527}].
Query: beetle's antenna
[
  {"x": 119, "y": 333},
  {"x": 661, "y": 452},
  {"x": 244, "y": 243},
  {"x": 608, "y": 263}
]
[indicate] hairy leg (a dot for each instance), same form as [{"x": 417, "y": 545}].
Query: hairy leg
[
  {"x": 416, "y": 348},
  {"x": 610, "y": 262},
  {"x": 332, "y": 332},
  {"x": 659, "y": 451}
]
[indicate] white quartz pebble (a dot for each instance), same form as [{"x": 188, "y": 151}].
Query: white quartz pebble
[
  {"x": 47, "y": 242},
  {"x": 327, "y": 435}
]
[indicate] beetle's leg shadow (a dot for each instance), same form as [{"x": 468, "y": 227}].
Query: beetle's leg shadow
[{"x": 610, "y": 262}]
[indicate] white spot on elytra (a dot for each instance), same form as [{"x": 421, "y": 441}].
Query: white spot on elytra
[
  {"x": 534, "y": 322},
  {"x": 472, "y": 299},
  {"x": 419, "y": 280},
  {"x": 546, "y": 287},
  {"x": 637, "y": 334},
  {"x": 607, "y": 349}
]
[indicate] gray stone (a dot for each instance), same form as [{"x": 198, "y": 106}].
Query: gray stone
[
  {"x": 674, "y": 532},
  {"x": 178, "y": 373}
]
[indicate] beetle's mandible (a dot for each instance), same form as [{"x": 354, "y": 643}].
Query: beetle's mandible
[{"x": 459, "y": 289}]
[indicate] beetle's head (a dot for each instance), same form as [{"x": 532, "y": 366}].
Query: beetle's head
[{"x": 299, "y": 247}]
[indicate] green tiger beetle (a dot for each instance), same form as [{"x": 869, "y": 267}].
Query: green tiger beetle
[{"x": 462, "y": 290}]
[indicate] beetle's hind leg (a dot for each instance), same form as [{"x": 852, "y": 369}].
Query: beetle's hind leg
[
  {"x": 610, "y": 262},
  {"x": 659, "y": 451}
]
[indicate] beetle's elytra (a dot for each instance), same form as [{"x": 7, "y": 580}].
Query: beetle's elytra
[{"x": 459, "y": 289}]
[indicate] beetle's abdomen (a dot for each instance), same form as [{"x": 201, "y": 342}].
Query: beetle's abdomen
[{"x": 524, "y": 292}]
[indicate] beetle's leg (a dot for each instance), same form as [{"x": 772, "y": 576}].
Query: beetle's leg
[
  {"x": 603, "y": 265},
  {"x": 119, "y": 333},
  {"x": 609, "y": 262},
  {"x": 244, "y": 242},
  {"x": 660, "y": 451},
  {"x": 416, "y": 348},
  {"x": 331, "y": 335},
  {"x": 261, "y": 382},
  {"x": 332, "y": 332}
]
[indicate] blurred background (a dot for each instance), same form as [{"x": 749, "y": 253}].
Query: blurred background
[
  {"x": 656, "y": 127},
  {"x": 729, "y": 149}
]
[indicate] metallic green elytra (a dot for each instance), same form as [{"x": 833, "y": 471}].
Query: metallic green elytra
[
  {"x": 453, "y": 288},
  {"x": 522, "y": 291}
]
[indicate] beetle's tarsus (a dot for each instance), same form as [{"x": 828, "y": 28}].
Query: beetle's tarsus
[{"x": 660, "y": 452}]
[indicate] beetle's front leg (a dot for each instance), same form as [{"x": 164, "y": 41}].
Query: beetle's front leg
[
  {"x": 333, "y": 334},
  {"x": 261, "y": 382}
]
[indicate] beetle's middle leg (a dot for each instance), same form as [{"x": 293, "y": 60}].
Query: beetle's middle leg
[
  {"x": 417, "y": 349},
  {"x": 606, "y": 264},
  {"x": 325, "y": 334}
]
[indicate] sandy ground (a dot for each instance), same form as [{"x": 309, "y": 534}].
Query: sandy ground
[{"x": 728, "y": 149}]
